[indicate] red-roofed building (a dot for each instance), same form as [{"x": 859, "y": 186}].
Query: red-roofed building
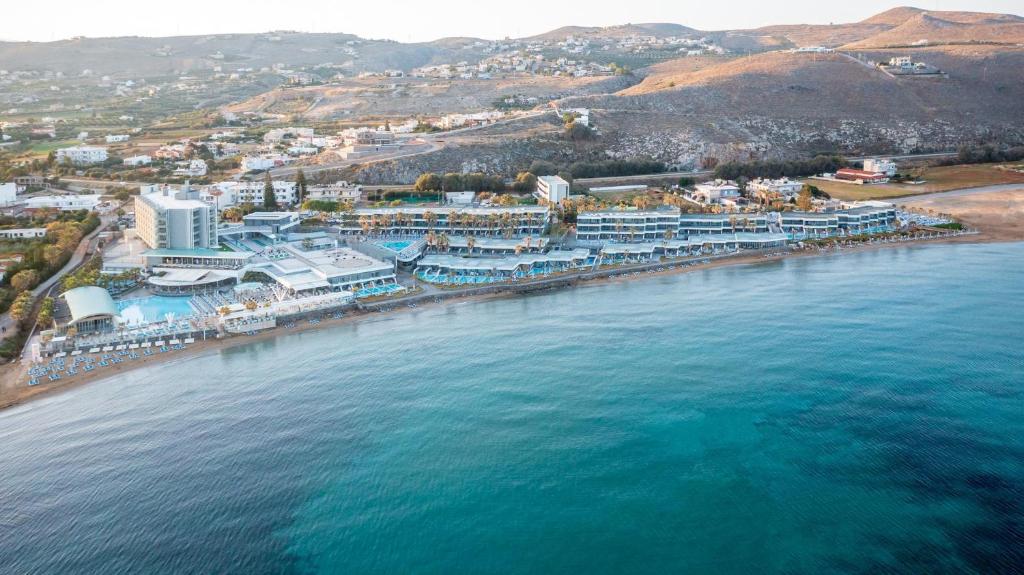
[{"x": 861, "y": 176}]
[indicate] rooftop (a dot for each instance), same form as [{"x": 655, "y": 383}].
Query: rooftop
[{"x": 89, "y": 301}]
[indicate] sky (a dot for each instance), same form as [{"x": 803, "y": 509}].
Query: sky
[{"x": 423, "y": 20}]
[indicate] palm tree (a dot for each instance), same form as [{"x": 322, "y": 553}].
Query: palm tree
[{"x": 470, "y": 244}]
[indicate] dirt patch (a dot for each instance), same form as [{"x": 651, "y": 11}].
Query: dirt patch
[{"x": 998, "y": 214}]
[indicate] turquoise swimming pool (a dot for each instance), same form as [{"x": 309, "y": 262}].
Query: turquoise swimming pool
[
  {"x": 154, "y": 309},
  {"x": 396, "y": 246}
]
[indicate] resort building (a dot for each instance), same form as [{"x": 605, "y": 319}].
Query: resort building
[
  {"x": 177, "y": 221},
  {"x": 863, "y": 219},
  {"x": 299, "y": 270},
  {"x": 273, "y": 225},
  {"x": 490, "y": 246},
  {"x": 87, "y": 309},
  {"x": 410, "y": 221},
  {"x": 809, "y": 223},
  {"x": 82, "y": 155},
  {"x": 626, "y": 225},
  {"x": 702, "y": 224},
  {"x": 451, "y": 269},
  {"x": 551, "y": 189}
]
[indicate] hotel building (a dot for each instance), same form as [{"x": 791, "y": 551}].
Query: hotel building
[
  {"x": 516, "y": 221},
  {"x": 626, "y": 225},
  {"x": 175, "y": 220}
]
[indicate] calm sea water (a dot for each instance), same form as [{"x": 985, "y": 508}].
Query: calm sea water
[{"x": 862, "y": 413}]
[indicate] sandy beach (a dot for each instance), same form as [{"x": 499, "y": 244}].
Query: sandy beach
[{"x": 998, "y": 211}]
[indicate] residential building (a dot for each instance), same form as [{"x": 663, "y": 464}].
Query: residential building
[
  {"x": 714, "y": 192},
  {"x": 768, "y": 189},
  {"x": 22, "y": 233},
  {"x": 8, "y": 193},
  {"x": 82, "y": 155},
  {"x": 115, "y": 138},
  {"x": 235, "y": 193},
  {"x": 65, "y": 203},
  {"x": 193, "y": 169},
  {"x": 882, "y": 165},
  {"x": 175, "y": 220},
  {"x": 136, "y": 161},
  {"x": 552, "y": 189},
  {"x": 340, "y": 191}
]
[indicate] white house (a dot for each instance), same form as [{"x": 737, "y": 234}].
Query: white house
[
  {"x": 783, "y": 187},
  {"x": 228, "y": 194},
  {"x": 257, "y": 163},
  {"x": 340, "y": 191},
  {"x": 115, "y": 138},
  {"x": 136, "y": 161},
  {"x": 551, "y": 189},
  {"x": 194, "y": 169},
  {"x": 83, "y": 155},
  {"x": 22, "y": 233},
  {"x": 883, "y": 165},
  {"x": 714, "y": 192},
  {"x": 8, "y": 193},
  {"x": 64, "y": 203},
  {"x": 459, "y": 198}
]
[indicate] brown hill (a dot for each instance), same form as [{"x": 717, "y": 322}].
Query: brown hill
[
  {"x": 893, "y": 17},
  {"x": 984, "y": 82},
  {"x": 936, "y": 28}
]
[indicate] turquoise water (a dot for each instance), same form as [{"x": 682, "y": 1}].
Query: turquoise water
[
  {"x": 860, "y": 413},
  {"x": 154, "y": 308}
]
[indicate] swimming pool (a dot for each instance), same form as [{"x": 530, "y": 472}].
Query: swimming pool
[
  {"x": 396, "y": 246},
  {"x": 155, "y": 308}
]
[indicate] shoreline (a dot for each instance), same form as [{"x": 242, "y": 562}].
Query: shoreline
[{"x": 15, "y": 390}]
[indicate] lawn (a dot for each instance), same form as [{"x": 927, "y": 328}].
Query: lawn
[{"x": 937, "y": 179}]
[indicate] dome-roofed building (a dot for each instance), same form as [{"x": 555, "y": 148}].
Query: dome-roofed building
[{"x": 90, "y": 310}]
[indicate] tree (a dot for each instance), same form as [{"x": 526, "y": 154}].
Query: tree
[
  {"x": 24, "y": 280},
  {"x": 452, "y": 182},
  {"x": 21, "y": 309},
  {"x": 300, "y": 186},
  {"x": 805, "y": 200},
  {"x": 428, "y": 182},
  {"x": 578, "y": 132},
  {"x": 269, "y": 199},
  {"x": 45, "y": 315}
]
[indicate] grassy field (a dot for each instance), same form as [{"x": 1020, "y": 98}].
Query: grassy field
[{"x": 937, "y": 179}]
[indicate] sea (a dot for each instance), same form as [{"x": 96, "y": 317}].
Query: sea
[{"x": 851, "y": 413}]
